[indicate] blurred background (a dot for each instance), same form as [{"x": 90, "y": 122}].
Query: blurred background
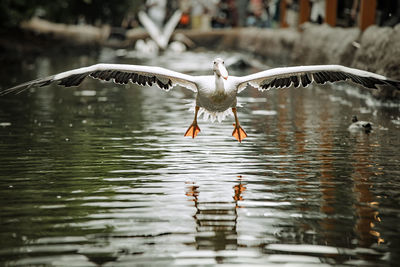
[
  {"x": 204, "y": 14},
  {"x": 291, "y": 28}
]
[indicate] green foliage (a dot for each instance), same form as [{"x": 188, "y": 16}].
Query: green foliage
[{"x": 12, "y": 12}]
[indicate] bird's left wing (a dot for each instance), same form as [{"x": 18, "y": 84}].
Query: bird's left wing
[
  {"x": 304, "y": 75},
  {"x": 118, "y": 73}
]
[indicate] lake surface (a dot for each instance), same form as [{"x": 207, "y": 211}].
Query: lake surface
[{"x": 102, "y": 175}]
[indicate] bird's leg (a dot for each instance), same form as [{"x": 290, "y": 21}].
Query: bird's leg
[
  {"x": 238, "y": 132},
  {"x": 194, "y": 128}
]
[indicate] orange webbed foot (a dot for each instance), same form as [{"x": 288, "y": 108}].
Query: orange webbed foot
[
  {"x": 239, "y": 133},
  {"x": 193, "y": 130}
]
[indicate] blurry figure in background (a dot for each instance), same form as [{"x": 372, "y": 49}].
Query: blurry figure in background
[
  {"x": 184, "y": 6},
  {"x": 81, "y": 20},
  {"x": 146, "y": 48},
  {"x": 202, "y": 11},
  {"x": 318, "y": 11},
  {"x": 283, "y": 13},
  {"x": 292, "y": 12},
  {"x": 354, "y": 13},
  {"x": 273, "y": 9},
  {"x": 234, "y": 17},
  {"x": 225, "y": 15},
  {"x": 129, "y": 21},
  {"x": 241, "y": 6},
  {"x": 347, "y": 13},
  {"x": 157, "y": 9},
  {"x": 197, "y": 12},
  {"x": 221, "y": 16},
  {"x": 277, "y": 13},
  {"x": 172, "y": 6},
  {"x": 388, "y": 13},
  {"x": 259, "y": 13}
]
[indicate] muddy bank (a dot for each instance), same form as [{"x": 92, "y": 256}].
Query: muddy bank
[
  {"x": 79, "y": 34},
  {"x": 39, "y": 37}
]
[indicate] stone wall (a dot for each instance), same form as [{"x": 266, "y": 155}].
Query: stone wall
[
  {"x": 323, "y": 44},
  {"x": 379, "y": 51}
]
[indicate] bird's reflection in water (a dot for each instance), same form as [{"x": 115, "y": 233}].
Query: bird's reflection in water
[{"x": 216, "y": 221}]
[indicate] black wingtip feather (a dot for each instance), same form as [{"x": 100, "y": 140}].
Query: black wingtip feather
[
  {"x": 394, "y": 83},
  {"x": 25, "y": 86},
  {"x": 319, "y": 78},
  {"x": 73, "y": 80},
  {"x": 305, "y": 80},
  {"x": 295, "y": 81}
]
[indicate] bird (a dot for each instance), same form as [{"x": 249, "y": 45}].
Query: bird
[
  {"x": 217, "y": 93},
  {"x": 357, "y": 126}
]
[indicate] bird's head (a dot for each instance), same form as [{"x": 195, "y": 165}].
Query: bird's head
[
  {"x": 219, "y": 68},
  {"x": 354, "y": 119}
]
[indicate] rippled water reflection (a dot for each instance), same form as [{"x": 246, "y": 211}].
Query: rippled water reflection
[{"x": 103, "y": 175}]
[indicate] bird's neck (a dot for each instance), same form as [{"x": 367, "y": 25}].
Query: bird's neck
[{"x": 219, "y": 84}]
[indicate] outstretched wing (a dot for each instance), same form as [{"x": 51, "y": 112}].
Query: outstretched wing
[
  {"x": 321, "y": 74},
  {"x": 118, "y": 73}
]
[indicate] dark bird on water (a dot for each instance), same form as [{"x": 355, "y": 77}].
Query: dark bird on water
[{"x": 357, "y": 126}]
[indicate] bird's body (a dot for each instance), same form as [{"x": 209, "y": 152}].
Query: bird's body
[{"x": 214, "y": 93}]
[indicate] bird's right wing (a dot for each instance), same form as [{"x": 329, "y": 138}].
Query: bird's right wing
[{"x": 118, "y": 73}]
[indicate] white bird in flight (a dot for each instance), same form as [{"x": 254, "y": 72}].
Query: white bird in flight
[{"x": 214, "y": 93}]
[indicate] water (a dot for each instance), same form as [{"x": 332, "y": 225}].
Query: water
[{"x": 102, "y": 175}]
